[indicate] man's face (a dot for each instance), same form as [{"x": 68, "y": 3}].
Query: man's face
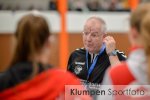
[{"x": 92, "y": 36}]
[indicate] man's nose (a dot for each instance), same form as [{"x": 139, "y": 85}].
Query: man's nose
[{"x": 89, "y": 37}]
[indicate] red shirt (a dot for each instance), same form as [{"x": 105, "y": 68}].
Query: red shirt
[{"x": 48, "y": 85}]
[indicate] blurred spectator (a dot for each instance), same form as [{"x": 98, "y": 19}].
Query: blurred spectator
[
  {"x": 93, "y": 5},
  {"x": 73, "y": 5},
  {"x": 70, "y": 5},
  {"x": 79, "y": 5},
  {"x": 8, "y": 7},
  {"x": 144, "y": 1},
  {"x": 0, "y": 6},
  {"x": 17, "y": 7},
  {"x": 125, "y": 5},
  {"x": 115, "y": 5},
  {"x": 104, "y": 4},
  {"x": 31, "y": 7},
  {"x": 53, "y": 5}
]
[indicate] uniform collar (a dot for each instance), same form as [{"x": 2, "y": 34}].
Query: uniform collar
[
  {"x": 133, "y": 48},
  {"x": 93, "y": 56}
]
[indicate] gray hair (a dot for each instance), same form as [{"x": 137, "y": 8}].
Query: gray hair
[{"x": 103, "y": 27}]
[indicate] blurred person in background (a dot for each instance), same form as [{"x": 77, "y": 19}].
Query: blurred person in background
[
  {"x": 99, "y": 52},
  {"x": 115, "y": 5},
  {"x": 29, "y": 75},
  {"x": 136, "y": 70},
  {"x": 93, "y": 5},
  {"x": 53, "y": 5},
  {"x": 77, "y": 5}
]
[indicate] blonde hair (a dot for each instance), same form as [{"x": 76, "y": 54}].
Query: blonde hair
[
  {"x": 140, "y": 19},
  {"x": 138, "y": 14},
  {"x": 145, "y": 31}
]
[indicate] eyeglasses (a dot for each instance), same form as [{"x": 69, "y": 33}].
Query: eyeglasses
[{"x": 92, "y": 34}]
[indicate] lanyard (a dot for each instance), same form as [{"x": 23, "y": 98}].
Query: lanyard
[{"x": 94, "y": 62}]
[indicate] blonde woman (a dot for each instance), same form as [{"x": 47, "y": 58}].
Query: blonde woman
[{"x": 124, "y": 78}]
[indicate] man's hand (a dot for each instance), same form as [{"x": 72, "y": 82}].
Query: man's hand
[{"x": 110, "y": 44}]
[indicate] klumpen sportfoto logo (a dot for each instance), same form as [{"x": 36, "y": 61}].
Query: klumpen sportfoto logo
[{"x": 124, "y": 92}]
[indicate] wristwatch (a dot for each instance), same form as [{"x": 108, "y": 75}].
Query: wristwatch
[{"x": 113, "y": 53}]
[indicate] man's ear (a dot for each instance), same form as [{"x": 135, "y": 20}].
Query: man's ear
[{"x": 105, "y": 34}]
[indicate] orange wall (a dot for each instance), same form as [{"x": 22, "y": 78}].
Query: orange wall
[{"x": 75, "y": 41}]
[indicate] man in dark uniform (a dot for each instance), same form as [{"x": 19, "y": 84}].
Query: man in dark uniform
[{"x": 99, "y": 52}]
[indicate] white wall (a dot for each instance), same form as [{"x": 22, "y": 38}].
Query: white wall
[{"x": 116, "y": 21}]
